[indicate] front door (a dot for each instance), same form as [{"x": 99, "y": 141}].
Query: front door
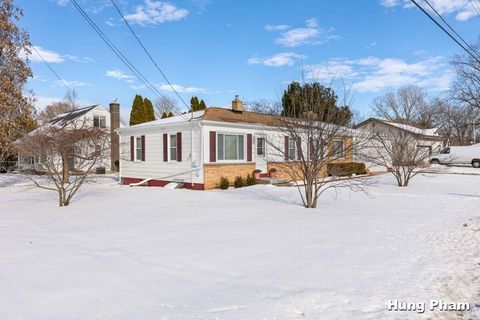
[{"x": 260, "y": 154}]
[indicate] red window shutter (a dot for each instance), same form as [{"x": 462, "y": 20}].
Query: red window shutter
[
  {"x": 179, "y": 146},
  {"x": 143, "y": 148},
  {"x": 165, "y": 147},
  {"x": 213, "y": 146},
  {"x": 286, "y": 148},
  {"x": 299, "y": 149},
  {"x": 249, "y": 147},
  {"x": 311, "y": 151},
  {"x": 132, "y": 148}
]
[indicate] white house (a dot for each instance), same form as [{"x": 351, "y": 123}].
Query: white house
[
  {"x": 199, "y": 148},
  {"x": 427, "y": 139},
  {"x": 95, "y": 115}
]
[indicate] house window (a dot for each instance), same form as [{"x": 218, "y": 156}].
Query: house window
[
  {"x": 338, "y": 149},
  {"x": 138, "y": 148},
  {"x": 230, "y": 147},
  {"x": 173, "y": 147},
  {"x": 99, "y": 121},
  {"x": 292, "y": 149},
  {"x": 261, "y": 147}
]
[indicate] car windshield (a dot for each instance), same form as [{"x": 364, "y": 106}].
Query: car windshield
[{"x": 445, "y": 151}]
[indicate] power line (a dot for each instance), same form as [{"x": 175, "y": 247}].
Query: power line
[
  {"x": 475, "y": 7},
  {"x": 117, "y": 52},
  {"x": 51, "y": 69},
  {"x": 444, "y": 30},
  {"x": 148, "y": 54},
  {"x": 450, "y": 27}
]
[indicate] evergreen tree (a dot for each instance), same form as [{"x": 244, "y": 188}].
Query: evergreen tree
[
  {"x": 194, "y": 104},
  {"x": 298, "y": 99},
  {"x": 170, "y": 114},
  {"x": 164, "y": 115},
  {"x": 202, "y": 105},
  {"x": 149, "y": 112},
  {"x": 137, "y": 115}
]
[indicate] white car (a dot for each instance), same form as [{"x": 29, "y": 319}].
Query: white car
[{"x": 458, "y": 155}]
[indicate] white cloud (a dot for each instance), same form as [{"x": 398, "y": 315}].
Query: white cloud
[
  {"x": 155, "y": 12},
  {"x": 119, "y": 75},
  {"x": 63, "y": 2},
  {"x": 295, "y": 37},
  {"x": 280, "y": 27},
  {"x": 48, "y": 55},
  {"x": 70, "y": 83},
  {"x": 278, "y": 60},
  {"x": 461, "y": 9},
  {"x": 51, "y": 56},
  {"x": 110, "y": 22},
  {"x": 373, "y": 74},
  {"x": 182, "y": 89}
]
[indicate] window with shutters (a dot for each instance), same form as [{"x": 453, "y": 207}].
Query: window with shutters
[
  {"x": 173, "y": 147},
  {"x": 230, "y": 147},
  {"x": 138, "y": 148}
]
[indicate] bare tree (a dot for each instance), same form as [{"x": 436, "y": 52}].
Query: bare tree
[
  {"x": 466, "y": 87},
  {"x": 456, "y": 122},
  {"x": 69, "y": 153},
  {"x": 308, "y": 147},
  {"x": 69, "y": 103},
  {"x": 409, "y": 105},
  {"x": 264, "y": 106},
  {"x": 166, "y": 104},
  {"x": 397, "y": 150}
]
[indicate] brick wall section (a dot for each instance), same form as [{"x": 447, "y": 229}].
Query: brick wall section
[
  {"x": 286, "y": 171},
  {"x": 213, "y": 173}
]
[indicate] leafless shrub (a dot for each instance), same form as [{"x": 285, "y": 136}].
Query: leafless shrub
[{"x": 69, "y": 153}]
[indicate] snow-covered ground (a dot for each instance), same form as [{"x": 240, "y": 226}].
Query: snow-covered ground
[
  {"x": 453, "y": 169},
  {"x": 253, "y": 253}
]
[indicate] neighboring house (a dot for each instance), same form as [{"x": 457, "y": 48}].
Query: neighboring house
[
  {"x": 427, "y": 139},
  {"x": 94, "y": 115},
  {"x": 199, "y": 148}
]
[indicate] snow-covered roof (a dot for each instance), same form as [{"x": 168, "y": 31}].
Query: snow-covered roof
[
  {"x": 432, "y": 132},
  {"x": 425, "y": 132},
  {"x": 175, "y": 119}
]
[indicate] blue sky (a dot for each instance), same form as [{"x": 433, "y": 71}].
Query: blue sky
[{"x": 217, "y": 48}]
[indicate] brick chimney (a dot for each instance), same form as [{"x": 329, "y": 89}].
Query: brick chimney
[
  {"x": 237, "y": 105},
  {"x": 114, "y": 139}
]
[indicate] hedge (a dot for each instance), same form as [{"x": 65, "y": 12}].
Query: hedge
[{"x": 343, "y": 169}]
